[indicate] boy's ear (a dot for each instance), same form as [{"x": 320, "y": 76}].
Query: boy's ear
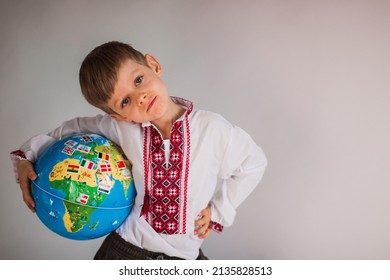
[{"x": 153, "y": 64}]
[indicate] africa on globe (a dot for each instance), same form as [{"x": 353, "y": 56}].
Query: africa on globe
[{"x": 84, "y": 189}]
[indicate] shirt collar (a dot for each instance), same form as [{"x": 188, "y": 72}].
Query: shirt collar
[{"x": 188, "y": 105}]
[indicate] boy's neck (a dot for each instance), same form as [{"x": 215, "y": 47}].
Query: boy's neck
[{"x": 165, "y": 125}]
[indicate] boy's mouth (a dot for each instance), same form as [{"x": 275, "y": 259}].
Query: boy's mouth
[{"x": 151, "y": 104}]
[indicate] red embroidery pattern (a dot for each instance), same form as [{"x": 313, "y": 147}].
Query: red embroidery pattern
[
  {"x": 215, "y": 227},
  {"x": 19, "y": 154},
  {"x": 166, "y": 181},
  {"x": 187, "y": 167},
  {"x": 145, "y": 207},
  {"x": 165, "y": 200}
]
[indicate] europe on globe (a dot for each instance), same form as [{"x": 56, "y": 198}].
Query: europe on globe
[{"x": 84, "y": 189}]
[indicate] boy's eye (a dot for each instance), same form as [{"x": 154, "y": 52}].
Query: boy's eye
[
  {"x": 125, "y": 102},
  {"x": 138, "y": 80}
]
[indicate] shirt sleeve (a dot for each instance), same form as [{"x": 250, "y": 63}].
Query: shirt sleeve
[
  {"x": 241, "y": 170},
  {"x": 31, "y": 149}
]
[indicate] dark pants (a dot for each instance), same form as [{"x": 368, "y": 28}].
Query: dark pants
[{"x": 115, "y": 247}]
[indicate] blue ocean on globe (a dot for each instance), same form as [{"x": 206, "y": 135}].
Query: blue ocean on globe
[{"x": 84, "y": 188}]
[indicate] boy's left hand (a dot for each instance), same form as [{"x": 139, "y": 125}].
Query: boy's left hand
[{"x": 202, "y": 224}]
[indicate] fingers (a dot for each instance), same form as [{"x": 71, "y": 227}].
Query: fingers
[
  {"x": 26, "y": 173},
  {"x": 202, "y": 231},
  {"x": 202, "y": 226},
  {"x": 32, "y": 175},
  {"x": 29, "y": 202},
  {"x": 203, "y": 222},
  {"x": 205, "y": 234},
  {"x": 205, "y": 212}
]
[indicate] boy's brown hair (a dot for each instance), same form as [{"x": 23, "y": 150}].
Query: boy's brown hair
[{"x": 99, "y": 71}]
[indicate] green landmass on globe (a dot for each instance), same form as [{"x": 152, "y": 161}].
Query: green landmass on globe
[{"x": 85, "y": 182}]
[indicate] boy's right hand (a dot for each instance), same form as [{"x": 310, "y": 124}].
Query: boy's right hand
[{"x": 26, "y": 173}]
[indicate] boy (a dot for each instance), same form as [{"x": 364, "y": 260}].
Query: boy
[{"x": 178, "y": 155}]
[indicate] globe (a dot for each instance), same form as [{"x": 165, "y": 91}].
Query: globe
[{"x": 84, "y": 189}]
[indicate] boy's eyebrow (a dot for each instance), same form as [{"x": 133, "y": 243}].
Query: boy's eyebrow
[
  {"x": 116, "y": 101},
  {"x": 131, "y": 75}
]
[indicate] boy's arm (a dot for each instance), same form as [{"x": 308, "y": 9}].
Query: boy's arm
[
  {"x": 242, "y": 169},
  {"x": 23, "y": 158},
  {"x": 99, "y": 124}
]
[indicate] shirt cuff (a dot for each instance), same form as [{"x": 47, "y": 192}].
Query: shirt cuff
[
  {"x": 215, "y": 227},
  {"x": 16, "y": 156}
]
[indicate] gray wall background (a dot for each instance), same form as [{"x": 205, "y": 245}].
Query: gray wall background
[{"x": 309, "y": 80}]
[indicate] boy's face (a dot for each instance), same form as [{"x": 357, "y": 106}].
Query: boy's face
[{"x": 139, "y": 94}]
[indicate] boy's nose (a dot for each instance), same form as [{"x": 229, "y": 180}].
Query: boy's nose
[{"x": 142, "y": 99}]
